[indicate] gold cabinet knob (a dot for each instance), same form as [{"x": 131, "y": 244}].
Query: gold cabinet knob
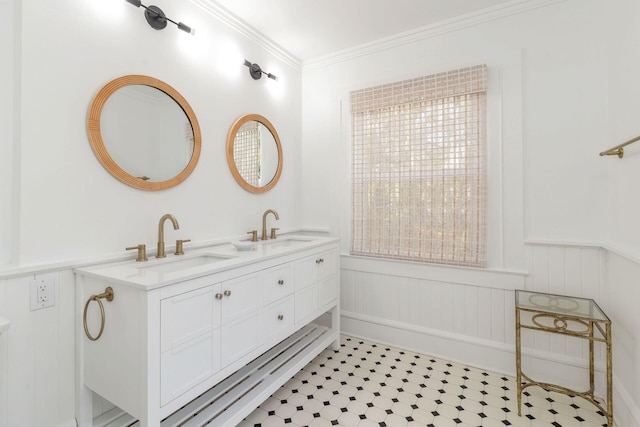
[
  {"x": 280, "y": 282},
  {"x": 218, "y": 295},
  {"x": 227, "y": 293},
  {"x": 280, "y": 317}
]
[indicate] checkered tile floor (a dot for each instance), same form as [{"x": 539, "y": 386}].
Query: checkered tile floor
[{"x": 365, "y": 384}]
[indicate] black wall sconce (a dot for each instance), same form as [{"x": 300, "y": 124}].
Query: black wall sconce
[
  {"x": 256, "y": 72},
  {"x": 157, "y": 19}
]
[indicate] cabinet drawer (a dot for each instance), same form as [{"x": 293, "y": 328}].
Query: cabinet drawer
[
  {"x": 316, "y": 267},
  {"x": 275, "y": 318},
  {"x": 240, "y": 297},
  {"x": 306, "y": 302},
  {"x": 275, "y": 283}
]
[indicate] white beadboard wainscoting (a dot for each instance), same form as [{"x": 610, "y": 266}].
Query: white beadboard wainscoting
[
  {"x": 4, "y": 327},
  {"x": 462, "y": 314},
  {"x": 40, "y": 350},
  {"x": 467, "y": 315},
  {"x": 621, "y": 301}
]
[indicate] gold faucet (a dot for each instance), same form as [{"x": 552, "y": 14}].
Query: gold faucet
[
  {"x": 165, "y": 217},
  {"x": 264, "y": 222}
]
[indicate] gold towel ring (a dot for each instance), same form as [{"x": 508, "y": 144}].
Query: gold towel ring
[{"x": 108, "y": 294}]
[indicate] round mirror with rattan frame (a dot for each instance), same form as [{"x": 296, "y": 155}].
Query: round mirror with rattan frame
[
  {"x": 231, "y": 161},
  {"x": 97, "y": 143}
]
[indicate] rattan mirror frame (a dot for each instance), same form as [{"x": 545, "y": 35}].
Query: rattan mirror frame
[
  {"x": 231, "y": 161},
  {"x": 100, "y": 150}
]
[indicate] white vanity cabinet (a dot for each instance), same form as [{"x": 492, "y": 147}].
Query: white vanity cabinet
[{"x": 166, "y": 344}]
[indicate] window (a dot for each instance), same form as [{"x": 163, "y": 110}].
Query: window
[{"x": 419, "y": 169}]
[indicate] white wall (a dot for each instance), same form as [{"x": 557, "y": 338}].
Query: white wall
[
  {"x": 623, "y": 228},
  {"x": 69, "y": 51},
  {"x": 59, "y": 206},
  {"x": 624, "y": 104},
  {"x": 563, "y": 84},
  {"x": 7, "y": 118}
]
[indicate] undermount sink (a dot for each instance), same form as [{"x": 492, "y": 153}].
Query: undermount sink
[
  {"x": 285, "y": 242},
  {"x": 170, "y": 266}
]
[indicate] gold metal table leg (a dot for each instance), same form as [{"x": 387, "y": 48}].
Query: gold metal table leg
[
  {"x": 591, "y": 361},
  {"x": 518, "y": 363},
  {"x": 609, "y": 377}
]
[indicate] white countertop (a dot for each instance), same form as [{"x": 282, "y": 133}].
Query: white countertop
[{"x": 156, "y": 273}]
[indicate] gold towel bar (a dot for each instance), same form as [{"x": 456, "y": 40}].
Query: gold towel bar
[{"x": 618, "y": 150}]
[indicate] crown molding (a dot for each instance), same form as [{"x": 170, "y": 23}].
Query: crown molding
[
  {"x": 510, "y": 8},
  {"x": 237, "y": 24}
]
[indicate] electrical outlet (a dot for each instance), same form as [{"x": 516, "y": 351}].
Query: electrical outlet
[{"x": 42, "y": 293}]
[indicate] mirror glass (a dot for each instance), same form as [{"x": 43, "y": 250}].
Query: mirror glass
[
  {"x": 254, "y": 153},
  {"x": 144, "y": 133}
]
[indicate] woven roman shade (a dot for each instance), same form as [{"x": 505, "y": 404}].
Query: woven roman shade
[{"x": 419, "y": 185}]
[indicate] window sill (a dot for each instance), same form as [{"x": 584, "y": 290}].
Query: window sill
[{"x": 483, "y": 277}]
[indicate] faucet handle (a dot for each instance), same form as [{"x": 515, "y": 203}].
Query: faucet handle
[
  {"x": 179, "y": 250},
  {"x": 142, "y": 252},
  {"x": 273, "y": 233},
  {"x": 254, "y": 235}
]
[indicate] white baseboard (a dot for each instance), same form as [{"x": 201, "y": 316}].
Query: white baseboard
[
  {"x": 489, "y": 355},
  {"x": 625, "y": 411},
  {"x": 456, "y": 348}
]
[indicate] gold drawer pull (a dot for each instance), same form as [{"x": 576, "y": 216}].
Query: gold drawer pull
[
  {"x": 280, "y": 282},
  {"x": 280, "y": 317},
  {"x": 227, "y": 293},
  {"x": 218, "y": 295}
]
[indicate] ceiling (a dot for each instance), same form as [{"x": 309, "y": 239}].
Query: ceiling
[{"x": 309, "y": 29}]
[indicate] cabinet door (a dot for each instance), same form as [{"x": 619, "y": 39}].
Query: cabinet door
[
  {"x": 240, "y": 298},
  {"x": 327, "y": 290},
  {"x": 239, "y": 317},
  {"x": 306, "y": 303},
  {"x": 328, "y": 265},
  {"x": 189, "y": 341},
  {"x": 275, "y": 283},
  {"x": 306, "y": 272},
  {"x": 238, "y": 338}
]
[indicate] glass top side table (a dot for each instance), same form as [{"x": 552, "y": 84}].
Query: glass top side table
[{"x": 572, "y": 316}]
